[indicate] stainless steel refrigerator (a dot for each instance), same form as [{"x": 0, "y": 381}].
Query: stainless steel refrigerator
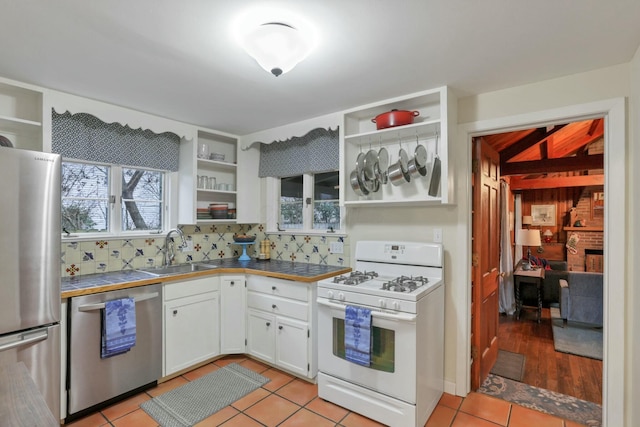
[{"x": 30, "y": 267}]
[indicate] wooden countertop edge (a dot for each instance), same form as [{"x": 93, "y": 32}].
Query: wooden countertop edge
[{"x": 192, "y": 275}]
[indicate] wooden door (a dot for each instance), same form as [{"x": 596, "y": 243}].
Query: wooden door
[{"x": 485, "y": 260}]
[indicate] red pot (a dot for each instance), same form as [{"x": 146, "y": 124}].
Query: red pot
[{"x": 395, "y": 118}]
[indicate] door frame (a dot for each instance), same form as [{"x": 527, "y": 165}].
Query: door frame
[{"x": 615, "y": 137}]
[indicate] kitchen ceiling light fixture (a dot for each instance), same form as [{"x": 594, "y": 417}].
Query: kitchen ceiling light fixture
[{"x": 276, "y": 46}]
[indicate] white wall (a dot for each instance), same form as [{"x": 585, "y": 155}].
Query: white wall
[{"x": 632, "y": 368}]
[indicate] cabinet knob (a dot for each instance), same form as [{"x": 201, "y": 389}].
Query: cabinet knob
[
  {"x": 280, "y": 327},
  {"x": 175, "y": 312},
  {"x": 232, "y": 283},
  {"x": 273, "y": 288},
  {"x": 274, "y": 306},
  {"x": 268, "y": 323}
]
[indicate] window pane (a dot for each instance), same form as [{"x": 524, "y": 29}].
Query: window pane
[
  {"x": 141, "y": 199},
  {"x": 85, "y": 197},
  {"x": 291, "y": 192},
  {"x": 326, "y": 194}
]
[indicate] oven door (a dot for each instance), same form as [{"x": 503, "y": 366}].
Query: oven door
[{"x": 393, "y": 356}]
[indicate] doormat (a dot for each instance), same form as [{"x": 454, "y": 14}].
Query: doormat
[
  {"x": 187, "y": 405},
  {"x": 576, "y": 338},
  {"x": 509, "y": 365},
  {"x": 549, "y": 402}
]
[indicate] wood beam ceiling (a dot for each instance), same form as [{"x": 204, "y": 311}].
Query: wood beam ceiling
[
  {"x": 527, "y": 142},
  {"x": 563, "y": 164},
  {"x": 520, "y": 183}
]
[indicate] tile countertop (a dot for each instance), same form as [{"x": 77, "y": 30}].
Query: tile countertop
[{"x": 103, "y": 282}]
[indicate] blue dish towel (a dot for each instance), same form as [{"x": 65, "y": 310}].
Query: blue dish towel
[
  {"x": 357, "y": 335},
  {"x": 118, "y": 327}
]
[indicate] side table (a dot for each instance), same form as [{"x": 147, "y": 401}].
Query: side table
[{"x": 535, "y": 277}]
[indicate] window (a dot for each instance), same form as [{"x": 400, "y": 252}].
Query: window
[
  {"x": 326, "y": 201},
  {"x": 309, "y": 202},
  {"x": 89, "y": 204}
]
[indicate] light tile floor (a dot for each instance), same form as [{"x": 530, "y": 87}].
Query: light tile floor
[{"x": 287, "y": 401}]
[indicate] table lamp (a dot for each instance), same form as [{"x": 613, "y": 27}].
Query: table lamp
[
  {"x": 528, "y": 238},
  {"x": 527, "y": 220},
  {"x": 547, "y": 236}
]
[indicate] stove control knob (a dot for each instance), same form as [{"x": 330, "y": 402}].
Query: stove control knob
[
  {"x": 382, "y": 303},
  {"x": 341, "y": 296},
  {"x": 396, "y": 305},
  {"x": 330, "y": 294}
]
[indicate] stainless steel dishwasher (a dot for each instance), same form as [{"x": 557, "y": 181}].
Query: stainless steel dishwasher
[{"x": 92, "y": 381}]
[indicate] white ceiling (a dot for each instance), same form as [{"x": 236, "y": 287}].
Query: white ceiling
[{"x": 175, "y": 58}]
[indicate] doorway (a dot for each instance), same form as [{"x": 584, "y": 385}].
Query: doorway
[
  {"x": 614, "y": 113},
  {"x": 553, "y": 179}
]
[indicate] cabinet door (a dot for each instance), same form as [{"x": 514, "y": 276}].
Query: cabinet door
[
  {"x": 261, "y": 335},
  {"x": 191, "y": 331},
  {"x": 232, "y": 314},
  {"x": 292, "y": 345}
]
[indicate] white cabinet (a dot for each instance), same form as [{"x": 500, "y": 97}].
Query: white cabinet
[
  {"x": 191, "y": 323},
  {"x": 292, "y": 351},
  {"x": 432, "y": 129},
  {"x": 261, "y": 338},
  {"x": 232, "y": 314},
  {"x": 281, "y": 324},
  {"x": 223, "y": 171},
  {"x": 237, "y": 184},
  {"x": 21, "y": 111}
]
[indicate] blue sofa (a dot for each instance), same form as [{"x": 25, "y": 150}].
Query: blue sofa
[{"x": 581, "y": 298}]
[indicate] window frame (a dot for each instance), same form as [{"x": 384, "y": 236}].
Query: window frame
[
  {"x": 114, "y": 230},
  {"x": 272, "y": 188}
]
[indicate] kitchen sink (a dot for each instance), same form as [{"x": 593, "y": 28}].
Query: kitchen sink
[{"x": 167, "y": 270}]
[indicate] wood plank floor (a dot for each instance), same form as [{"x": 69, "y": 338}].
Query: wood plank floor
[{"x": 546, "y": 368}]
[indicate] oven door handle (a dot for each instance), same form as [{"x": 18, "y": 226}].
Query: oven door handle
[{"x": 374, "y": 313}]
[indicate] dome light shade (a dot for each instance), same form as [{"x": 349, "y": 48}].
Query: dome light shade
[{"x": 276, "y": 46}]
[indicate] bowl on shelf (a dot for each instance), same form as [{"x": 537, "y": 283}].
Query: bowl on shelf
[
  {"x": 217, "y": 157},
  {"x": 243, "y": 238},
  {"x": 218, "y": 211}
]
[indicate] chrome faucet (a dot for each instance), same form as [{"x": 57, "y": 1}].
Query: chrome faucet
[{"x": 170, "y": 250}]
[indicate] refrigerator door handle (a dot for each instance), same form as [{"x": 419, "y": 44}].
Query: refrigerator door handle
[
  {"x": 26, "y": 338},
  {"x": 100, "y": 305}
]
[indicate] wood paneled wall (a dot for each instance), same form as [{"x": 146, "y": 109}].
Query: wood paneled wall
[{"x": 564, "y": 199}]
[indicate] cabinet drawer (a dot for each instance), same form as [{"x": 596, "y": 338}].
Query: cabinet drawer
[
  {"x": 187, "y": 288},
  {"x": 279, "y": 306},
  {"x": 278, "y": 287}
]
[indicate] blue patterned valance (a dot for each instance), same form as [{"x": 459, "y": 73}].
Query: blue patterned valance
[
  {"x": 82, "y": 136},
  {"x": 315, "y": 152}
]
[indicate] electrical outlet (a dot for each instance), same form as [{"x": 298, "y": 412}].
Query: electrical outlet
[
  {"x": 336, "y": 247},
  {"x": 437, "y": 235}
]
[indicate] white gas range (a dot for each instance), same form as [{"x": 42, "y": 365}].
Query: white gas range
[{"x": 401, "y": 285}]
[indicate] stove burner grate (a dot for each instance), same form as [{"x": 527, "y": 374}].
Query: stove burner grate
[
  {"x": 404, "y": 284},
  {"x": 355, "y": 277}
]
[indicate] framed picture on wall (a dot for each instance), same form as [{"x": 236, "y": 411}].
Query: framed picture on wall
[{"x": 543, "y": 214}]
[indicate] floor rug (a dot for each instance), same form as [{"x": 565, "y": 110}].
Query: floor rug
[
  {"x": 559, "y": 405},
  {"x": 576, "y": 338},
  {"x": 187, "y": 405},
  {"x": 509, "y": 365}
]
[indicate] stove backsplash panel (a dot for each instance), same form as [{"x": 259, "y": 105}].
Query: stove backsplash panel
[{"x": 209, "y": 242}]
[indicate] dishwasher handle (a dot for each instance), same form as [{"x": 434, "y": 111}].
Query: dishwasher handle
[
  {"x": 26, "y": 338},
  {"x": 100, "y": 305}
]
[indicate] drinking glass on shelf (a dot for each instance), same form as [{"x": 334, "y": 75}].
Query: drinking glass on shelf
[
  {"x": 203, "y": 150},
  {"x": 211, "y": 183},
  {"x": 202, "y": 181}
]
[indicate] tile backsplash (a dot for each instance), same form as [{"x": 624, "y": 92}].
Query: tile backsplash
[{"x": 208, "y": 241}]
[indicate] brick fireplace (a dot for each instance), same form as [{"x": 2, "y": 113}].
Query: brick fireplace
[{"x": 589, "y": 249}]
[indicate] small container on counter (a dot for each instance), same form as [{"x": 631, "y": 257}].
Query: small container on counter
[{"x": 265, "y": 250}]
